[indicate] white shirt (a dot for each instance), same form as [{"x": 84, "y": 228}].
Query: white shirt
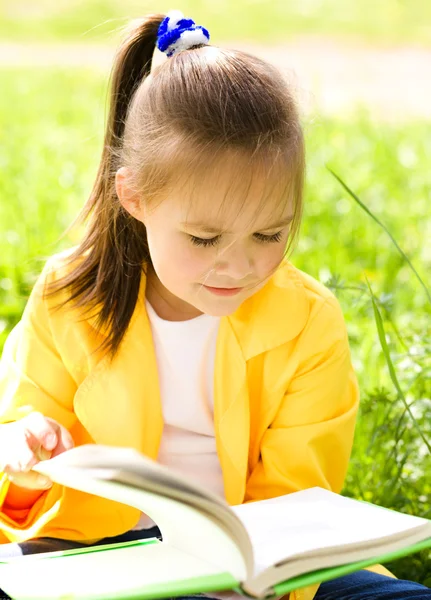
[{"x": 185, "y": 352}]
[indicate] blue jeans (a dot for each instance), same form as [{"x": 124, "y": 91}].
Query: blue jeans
[
  {"x": 365, "y": 585},
  {"x": 362, "y": 585}
]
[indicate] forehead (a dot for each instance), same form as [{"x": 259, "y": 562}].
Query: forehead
[{"x": 234, "y": 193}]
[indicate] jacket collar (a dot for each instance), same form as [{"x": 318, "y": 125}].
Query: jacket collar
[
  {"x": 110, "y": 402},
  {"x": 273, "y": 316}
]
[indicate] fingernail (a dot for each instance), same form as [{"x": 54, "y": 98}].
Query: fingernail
[
  {"x": 44, "y": 454},
  {"x": 50, "y": 441},
  {"x": 43, "y": 482}
]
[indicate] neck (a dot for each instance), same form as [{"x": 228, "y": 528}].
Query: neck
[{"x": 167, "y": 305}]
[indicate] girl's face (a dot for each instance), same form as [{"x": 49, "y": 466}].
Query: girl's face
[{"x": 203, "y": 265}]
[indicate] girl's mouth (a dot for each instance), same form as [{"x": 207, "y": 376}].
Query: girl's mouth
[{"x": 223, "y": 291}]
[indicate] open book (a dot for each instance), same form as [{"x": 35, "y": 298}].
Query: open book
[{"x": 259, "y": 549}]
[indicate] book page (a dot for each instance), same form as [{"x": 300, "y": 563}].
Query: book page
[
  {"x": 99, "y": 456},
  {"x": 139, "y": 480},
  {"x": 182, "y": 526},
  {"x": 314, "y": 520},
  {"x": 138, "y": 571}
]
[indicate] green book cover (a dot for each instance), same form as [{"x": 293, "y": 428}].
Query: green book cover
[
  {"x": 105, "y": 572},
  {"x": 40, "y": 566},
  {"x": 333, "y": 572},
  {"x": 269, "y": 547}
]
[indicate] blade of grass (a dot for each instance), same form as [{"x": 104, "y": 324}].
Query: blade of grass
[
  {"x": 367, "y": 210},
  {"x": 386, "y": 352}
]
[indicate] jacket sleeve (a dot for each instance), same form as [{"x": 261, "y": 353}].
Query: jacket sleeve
[
  {"x": 32, "y": 373},
  {"x": 34, "y": 378},
  {"x": 309, "y": 441}
]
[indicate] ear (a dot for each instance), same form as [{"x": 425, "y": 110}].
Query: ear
[{"x": 129, "y": 199}]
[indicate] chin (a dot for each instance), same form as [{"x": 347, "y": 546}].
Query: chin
[{"x": 219, "y": 311}]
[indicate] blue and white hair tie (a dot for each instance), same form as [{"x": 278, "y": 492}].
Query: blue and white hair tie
[{"x": 176, "y": 33}]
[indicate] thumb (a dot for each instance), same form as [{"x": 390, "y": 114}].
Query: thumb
[
  {"x": 65, "y": 441},
  {"x": 49, "y": 441}
]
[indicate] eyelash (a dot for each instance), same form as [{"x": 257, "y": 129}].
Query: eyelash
[{"x": 213, "y": 241}]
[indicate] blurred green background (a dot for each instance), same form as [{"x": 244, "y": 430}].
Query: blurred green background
[
  {"x": 382, "y": 22},
  {"x": 51, "y": 128}
]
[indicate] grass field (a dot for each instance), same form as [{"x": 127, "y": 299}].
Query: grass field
[
  {"x": 51, "y": 124},
  {"x": 386, "y": 22}
]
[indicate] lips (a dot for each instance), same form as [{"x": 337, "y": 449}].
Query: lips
[{"x": 223, "y": 291}]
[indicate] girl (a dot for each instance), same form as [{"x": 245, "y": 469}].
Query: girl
[{"x": 178, "y": 326}]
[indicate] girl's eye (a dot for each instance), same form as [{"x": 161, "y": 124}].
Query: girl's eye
[
  {"x": 276, "y": 237},
  {"x": 204, "y": 242}
]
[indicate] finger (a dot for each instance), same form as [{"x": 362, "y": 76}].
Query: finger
[
  {"x": 65, "y": 441},
  {"x": 27, "y": 452},
  {"x": 41, "y": 431},
  {"x": 21, "y": 455},
  {"x": 16, "y": 453},
  {"x": 23, "y": 447},
  {"x": 31, "y": 480},
  {"x": 43, "y": 454},
  {"x": 26, "y": 459}
]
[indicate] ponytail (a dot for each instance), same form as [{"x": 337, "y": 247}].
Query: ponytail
[
  {"x": 114, "y": 249},
  {"x": 196, "y": 106},
  {"x": 132, "y": 64}
]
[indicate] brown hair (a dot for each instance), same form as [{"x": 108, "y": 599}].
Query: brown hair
[{"x": 195, "y": 107}]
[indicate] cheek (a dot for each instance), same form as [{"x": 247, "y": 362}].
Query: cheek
[
  {"x": 192, "y": 263},
  {"x": 269, "y": 259},
  {"x": 175, "y": 257}
]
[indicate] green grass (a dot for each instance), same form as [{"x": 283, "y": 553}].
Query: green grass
[
  {"x": 384, "y": 22},
  {"x": 51, "y": 124}
]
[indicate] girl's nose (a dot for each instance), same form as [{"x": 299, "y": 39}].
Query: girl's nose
[{"x": 235, "y": 264}]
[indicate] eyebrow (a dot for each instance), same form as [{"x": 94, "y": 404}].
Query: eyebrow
[{"x": 210, "y": 229}]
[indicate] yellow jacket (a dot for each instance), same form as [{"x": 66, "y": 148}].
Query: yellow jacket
[{"x": 285, "y": 398}]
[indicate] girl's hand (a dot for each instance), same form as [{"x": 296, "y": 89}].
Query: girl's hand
[{"x": 26, "y": 442}]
